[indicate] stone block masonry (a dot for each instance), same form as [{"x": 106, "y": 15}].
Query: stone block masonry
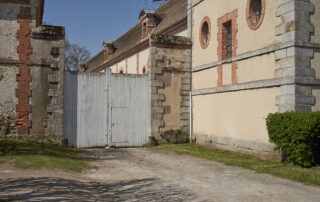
[
  {"x": 170, "y": 69},
  {"x": 295, "y": 61},
  {"x": 48, "y": 41}
]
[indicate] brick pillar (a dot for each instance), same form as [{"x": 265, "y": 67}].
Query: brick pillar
[{"x": 23, "y": 91}]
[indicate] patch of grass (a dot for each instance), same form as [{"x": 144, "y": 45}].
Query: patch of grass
[
  {"x": 38, "y": 155},
  {"x": 288, "y": 171}
]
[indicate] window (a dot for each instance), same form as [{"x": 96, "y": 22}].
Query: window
[
  {"x": 205, "y": 32},
  {"x": 121, "y": 71},
  {"x": 256, "y": 9},
  {"x": 144, "y": 70},
  {"x": 255, "y": 13},
  {"x": 227, "y": 40}
]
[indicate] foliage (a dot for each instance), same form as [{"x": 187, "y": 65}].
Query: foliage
[
  {"x": 6, "y": 125},
  {"x": 298, "y": 135},
  {"x": 37, "y": 155},
  {"x": 273, "y": 167},
  {"x": 75, "y": 55}
]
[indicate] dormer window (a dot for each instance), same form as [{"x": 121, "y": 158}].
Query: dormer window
[
  {"x": 108, "y": 50},
  {"x": 148, "y": 21}
]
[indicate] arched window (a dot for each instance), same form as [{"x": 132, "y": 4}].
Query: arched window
[
  {"x": 121, "y": 70},
  {"x": 255, "y": 13},
  {"x": 205, "y": 32},
  {"x": 144, "y": 70}
]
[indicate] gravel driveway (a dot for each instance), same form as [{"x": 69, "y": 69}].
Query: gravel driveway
[{"x": 147, "y": 175}]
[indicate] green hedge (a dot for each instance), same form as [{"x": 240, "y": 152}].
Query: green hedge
[{"x": 298, "y": 135}]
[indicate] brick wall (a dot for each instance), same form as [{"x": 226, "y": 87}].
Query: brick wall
[{"x": 23, "y": 92}]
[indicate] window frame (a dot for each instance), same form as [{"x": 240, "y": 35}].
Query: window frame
[
  {"x": 227, "y": 40},
  {"x": 251, "y": 14},
  {"x": 205, "y": 43}
]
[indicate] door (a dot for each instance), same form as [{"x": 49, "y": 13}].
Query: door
[
  {"x": 120, "y": 126},
  {"x": 129, "y": 110}
]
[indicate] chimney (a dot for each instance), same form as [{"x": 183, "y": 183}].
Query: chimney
[
  {"x": 82, "y": 67},
  {"x": 148, "y": 22},
  {"x": 108, "y": 50}
]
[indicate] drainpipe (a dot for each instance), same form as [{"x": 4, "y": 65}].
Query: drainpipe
[{"x": 190, "y": 13}]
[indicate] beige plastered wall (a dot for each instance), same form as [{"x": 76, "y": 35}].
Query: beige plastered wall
[
  {"x": 235, "y": 115},
  {"x": 183, "y": 33},
  {"x": 132, "y": 63},
  {"x": 171, "y": 103},
  {"x": 315, "y": 37},
  {"x": 248, "y": 40},
  {"x": 315, "y": 19},
  {"x": 316, "y": 94},
  {"x": 252, "y": 69}
]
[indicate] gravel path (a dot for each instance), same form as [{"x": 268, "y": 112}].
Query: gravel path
[{"x": 148, "y": 175}]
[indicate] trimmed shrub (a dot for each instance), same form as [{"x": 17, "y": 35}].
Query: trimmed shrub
[{"x": 297, "y": 134}]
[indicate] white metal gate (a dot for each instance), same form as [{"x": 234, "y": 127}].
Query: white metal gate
[{"x": 106, "y": 109}]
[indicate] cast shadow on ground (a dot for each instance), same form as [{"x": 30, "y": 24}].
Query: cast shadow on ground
[{"x": 58, "y": 189}]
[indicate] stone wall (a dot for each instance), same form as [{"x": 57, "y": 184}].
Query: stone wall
[
  {"x": 47, "y": 83},
  {"x": 295, "y": 60},
  {"x": 8, "y": 99},
  {"x": 31, "y": 72},
  {"x": 170, "y": 65}
]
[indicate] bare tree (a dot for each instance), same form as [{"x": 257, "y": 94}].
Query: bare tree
[{"x": 75, "y": 55}]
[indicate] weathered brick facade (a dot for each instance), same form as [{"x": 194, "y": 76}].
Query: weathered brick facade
[{"x": 23, "y": 91}]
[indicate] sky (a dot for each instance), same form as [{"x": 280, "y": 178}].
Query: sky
[{"x": 90, "y": 22}]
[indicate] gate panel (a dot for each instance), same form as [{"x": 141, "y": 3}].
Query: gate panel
[
  {"x": 92, "y": 110},
  {"x": 85, "y": 121},
  {"x": 130, "y": 110},
  {"x": 106, "y": 109},
  {"x": 118, "y": 118}
]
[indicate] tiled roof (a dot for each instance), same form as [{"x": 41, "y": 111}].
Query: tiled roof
[{"x": 172, "y": 12}]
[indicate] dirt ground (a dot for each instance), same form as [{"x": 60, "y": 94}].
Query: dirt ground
[{"x": 148, "y": 175}]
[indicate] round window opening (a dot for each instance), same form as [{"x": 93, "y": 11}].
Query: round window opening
[
  {"x": 255, "y": 13},
  {"x": 205, "y": 32}
]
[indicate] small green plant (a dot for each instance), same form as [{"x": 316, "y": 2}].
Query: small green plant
[
  {"x": 194, "y": 140},
  {"x": 297, "y": 135},
  {"x": 179, "y": 132},
  {"x": 8, "y": 127},
  {"x": 186, "y": 140}
]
